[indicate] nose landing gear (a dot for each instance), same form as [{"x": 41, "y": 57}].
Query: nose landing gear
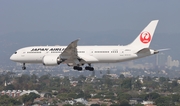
[{"x": 23, "y": 67}]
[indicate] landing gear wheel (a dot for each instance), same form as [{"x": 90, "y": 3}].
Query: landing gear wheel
[
  {"x": 89, "y": 68},
  {"x": 77, "y": 68},
  {"x": 24, "y": 67},
  {"x": 92, "y": 69}
]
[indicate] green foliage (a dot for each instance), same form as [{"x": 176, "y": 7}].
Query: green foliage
[
  {"x": 80, "y": 94},
  {"x": 104, "y": 88},
  {"x": 176, "y": 98},
  {"x": 163, "y": 101},
  {"x": 95, "y": 105},
  {"x": 62, "y": 96},
  {"x": 162, "y": 79},
  {"x": 29, "y": 98},
  {"x": 126, "y": 83},
  {"x": 121, "y": 76},
  {"x": 139, "y": 105},
  {"x": 103, "y": 104},
  {"x": 24, "y": 78},
  {"x": 115, "y": 104},
  {"x": 124, "y": 97},
  {"x": 44, "y": 77},
  {"x": 107, "y": 81},
  {"x": 174, "y": 84},
  {"x": 8, "y": 101},
  {"x": 79, "y": 104},
  {"x": 10, "y": 87},
  {"x": 137, "y": 84},
  {"x": 33, "y": 78},
  {"x": 124, "y": 103},
  {"x": 152, "y": 96},
  {"x": 72, "y": 95},
  {"x": 48, "y": 95},
  {"x": 67, "y": 105}
]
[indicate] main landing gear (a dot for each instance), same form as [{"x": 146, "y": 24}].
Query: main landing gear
[
  {"x": 77, "y": 68},
  {"x": 86, "y": 68},
  {"x": 89, "y": 68},
  {"x": 23, "y": 67}
]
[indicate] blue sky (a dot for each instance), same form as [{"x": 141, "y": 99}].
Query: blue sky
[{"x": 91, "y": 16}]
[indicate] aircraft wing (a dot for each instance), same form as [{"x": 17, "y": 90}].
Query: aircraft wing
[{"x": 70, "y": 53}]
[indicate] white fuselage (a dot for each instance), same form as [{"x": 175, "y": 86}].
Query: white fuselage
[{"x": 92, "y": 54}]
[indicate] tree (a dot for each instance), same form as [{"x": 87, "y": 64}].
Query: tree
[
  {"x": 62, "y": 96},
  {"x": 44, "y": 77},
  {"x": 163, "y": 101},
  {"x": 29, "y": 98},
  {"x": 72, "y": 95},
  {"x": 115, "y": 104},
  {"x": 33, "y": 78},
  {"x": 175, "y": 98},
  {"x": 10, "y": 87},
  {"x": 137, "y": 84},
  {"x": 139, "y": 105},
  {"x": 79, "y": 104},
  {"x": 103, "y": 104},
  {"x": 48, "y": 95},
  {"x": 95, "y": 105},
  {"x": 107, "y": 81},
  {"x": 67, "y": 105},
  {"x": 162, "y": 79},
  {"x": 81, "y": 94},
  {"x": 121, "y": 76},
  {"x": 174, "y": 84},
  {"x": 24, "y": 78},
  {"x": 126, "y": 83},
  {"x": 152, "y": 96},
  {"x": 124, "y": 103},
  {"x": 8, "y": 101},
  {"x": 124, "y": 97}
]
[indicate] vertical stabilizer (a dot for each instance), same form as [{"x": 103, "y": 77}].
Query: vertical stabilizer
[{"x": 146, "y": 35}]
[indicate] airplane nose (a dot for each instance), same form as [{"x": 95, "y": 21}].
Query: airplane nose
[{"x": 12, "y": 57}]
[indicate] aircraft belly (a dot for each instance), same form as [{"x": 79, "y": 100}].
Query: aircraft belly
[
  {"x": 29, "y": 58},
  {"x": 107, "y": 58},
  {"x": 88, "y": 58}
]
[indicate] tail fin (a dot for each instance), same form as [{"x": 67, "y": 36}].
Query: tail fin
[{"x": 146, "y": 35}]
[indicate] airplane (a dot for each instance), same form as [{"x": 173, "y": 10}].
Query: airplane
[{"x": 78, "y": 56}]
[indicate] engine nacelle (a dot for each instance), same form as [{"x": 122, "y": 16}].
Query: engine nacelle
[{"x": 50, "y": 60}]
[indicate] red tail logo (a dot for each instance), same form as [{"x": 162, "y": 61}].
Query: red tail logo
[{"x": 145, "y": 37}]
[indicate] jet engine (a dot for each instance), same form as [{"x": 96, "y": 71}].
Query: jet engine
[{"x": 50, "y": 60}]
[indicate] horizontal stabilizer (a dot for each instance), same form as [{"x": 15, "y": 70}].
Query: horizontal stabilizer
[{"x": 144, "y": 50}]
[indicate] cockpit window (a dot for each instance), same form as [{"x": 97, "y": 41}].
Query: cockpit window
[{"x": 15, "y": 52}]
